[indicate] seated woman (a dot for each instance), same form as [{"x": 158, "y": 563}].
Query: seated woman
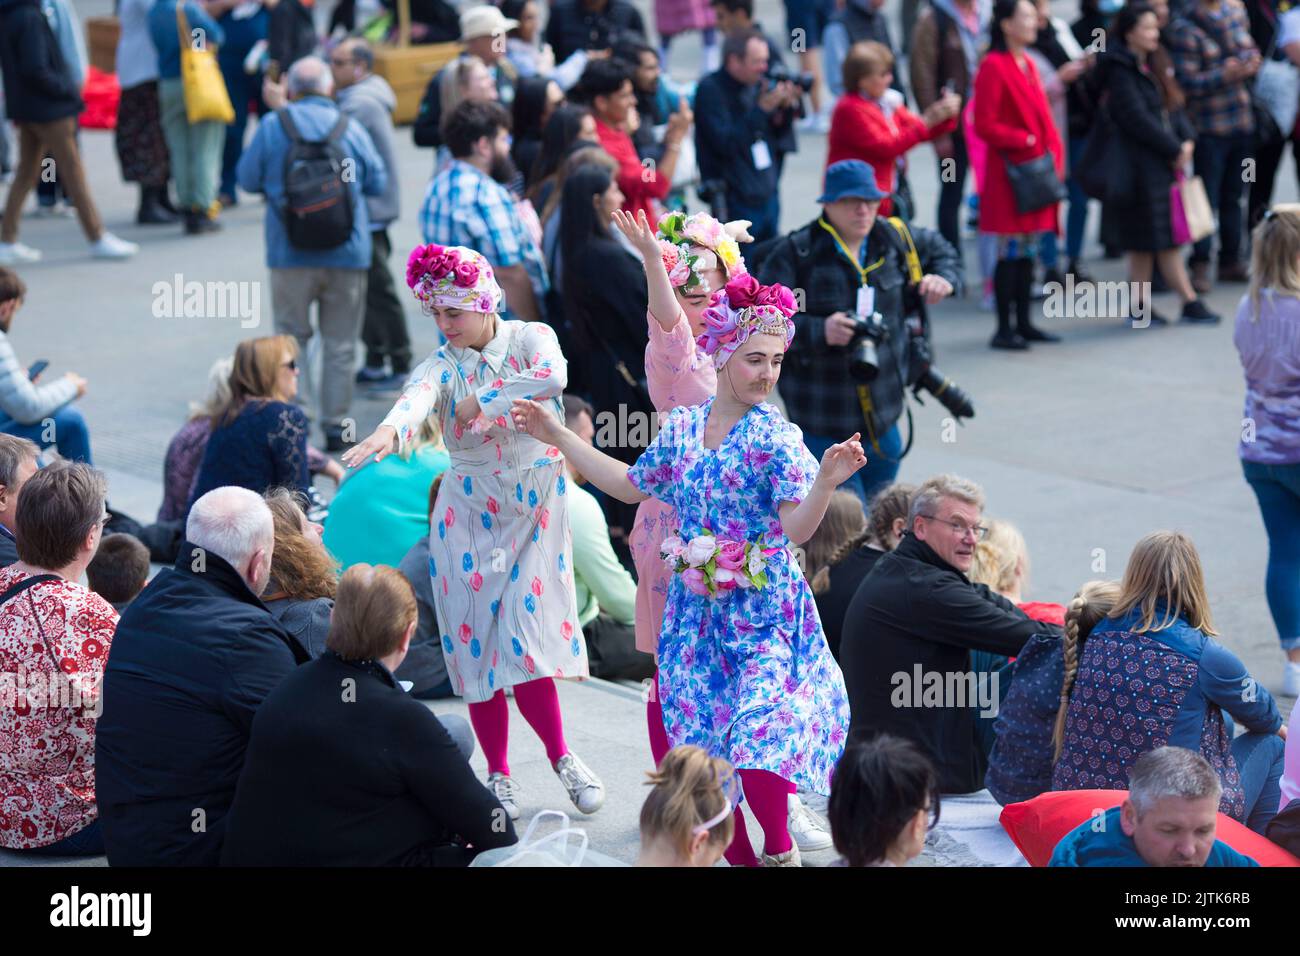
[
  {"x": 259, "y": 437},
  {"x": 380, "y": 511},
  {"x": 304, "y": 576},
  {"x": 689, "y": 818},
  {"x": 871, "y": 123},
  {"x": 884, "y": 797},
  {"x": 1158, "y": 643},
  {"x": 56, "y": 634},
  {"x": 185, "y": 450},
  {"x": 1002, "y": 562},
  {"x": 372, "y": 777},
  {"x": 844, "y": 524},
  {"x": 1031, "y": 718}
]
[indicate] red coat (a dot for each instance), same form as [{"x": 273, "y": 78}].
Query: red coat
[
  {"x": 641, "y": 185},
  {"x": 861, "y": 130},
  {"x": 1010, "y": 105}
]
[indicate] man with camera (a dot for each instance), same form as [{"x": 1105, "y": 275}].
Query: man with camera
[
  {"x": 739, "y": 140},
  {"x": 863, "y": 337}
]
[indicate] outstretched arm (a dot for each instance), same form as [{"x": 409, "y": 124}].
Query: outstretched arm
[
  {"x": 663, "y": 302},
  {"x": 799, "y": 520},
  {"x": 606, "y": 473}
]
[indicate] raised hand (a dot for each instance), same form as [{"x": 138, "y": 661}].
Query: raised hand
[
  {"x": 639, "y": 232},
  {"x": 380, "y": 444},
  {"x": 842, "y": 461},
  {"x": 537, "y": 420}
]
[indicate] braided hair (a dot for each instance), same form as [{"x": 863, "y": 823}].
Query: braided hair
[{"x": 1093, "y": 603}]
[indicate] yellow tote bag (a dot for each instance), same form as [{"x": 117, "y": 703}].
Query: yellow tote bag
[{"x": 206, "y": 98}]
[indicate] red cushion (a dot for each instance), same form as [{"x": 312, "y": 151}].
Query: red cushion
[{"x": 1037, "y": 825}]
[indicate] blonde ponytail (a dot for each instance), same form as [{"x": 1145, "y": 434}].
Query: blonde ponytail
[{"x": 690, "y": 788}]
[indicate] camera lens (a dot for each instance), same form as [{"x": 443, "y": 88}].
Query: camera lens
[{"x": 864, "y": 363}]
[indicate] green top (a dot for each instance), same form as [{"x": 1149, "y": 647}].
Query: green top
[
  {"x": 383, "y": 508},
  {"x": 600, "y": 580}
]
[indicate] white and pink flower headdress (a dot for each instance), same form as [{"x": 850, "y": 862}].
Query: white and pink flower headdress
[
  {"x": 693, "y": 245},
  {"x": 741, "y": 309},
  {"x": 453, "y": 277}
]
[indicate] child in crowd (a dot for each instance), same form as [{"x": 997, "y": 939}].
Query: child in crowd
[
  {"x": 884, "y": 798},
  {"x": 688, "y": 818},
  {"x": 120, "y": 570},
  {"x": 1002, "y": 562},
  {"x": 1031, "y": 719}
]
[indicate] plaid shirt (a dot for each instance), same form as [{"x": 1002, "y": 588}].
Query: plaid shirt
[
  {"x": 1197, "y": 44},
  {"x": 465, "y": 207}
]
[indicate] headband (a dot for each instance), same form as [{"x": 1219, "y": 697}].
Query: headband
[
  {"x": 693, "y": 245},
  {"x": 740, "y": 310},
  {"x": 453, "y": 277}
]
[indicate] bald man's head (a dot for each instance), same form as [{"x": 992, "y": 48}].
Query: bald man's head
[{"x": 310, "y": 76}]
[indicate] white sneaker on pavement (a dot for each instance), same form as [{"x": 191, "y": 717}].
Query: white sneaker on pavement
[
  {"x": 15, "y": 254},
  {"x": 1291, "y": 679},
  {"x": 109, "y": 246},
  {"x": 507, "y": 793},
  {"x": 585, "y": 789},
  {"x": 806, "y": 828},
  {"x": 789, "y": 858}
]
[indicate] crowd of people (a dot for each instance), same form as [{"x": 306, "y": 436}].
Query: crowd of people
[{"x": 800, "y": 618}]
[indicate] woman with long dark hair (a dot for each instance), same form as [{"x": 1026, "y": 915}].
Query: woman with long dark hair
[
  {"x": 536, "y": 99},
  {"x": 567, "y": 125},
  {"x": 605, "y": 300}
]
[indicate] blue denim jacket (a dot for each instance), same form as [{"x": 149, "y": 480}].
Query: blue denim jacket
[{"x": 261, "y": 170}]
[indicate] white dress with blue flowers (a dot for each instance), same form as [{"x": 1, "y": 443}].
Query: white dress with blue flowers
[
  {"x": 749, "y": 676},
  {"x": 500, "y": 548}
]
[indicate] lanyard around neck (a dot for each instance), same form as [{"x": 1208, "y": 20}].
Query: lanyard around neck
[{"x": 848, "y": 253}]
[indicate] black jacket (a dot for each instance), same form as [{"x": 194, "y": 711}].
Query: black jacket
[
  {"x": 571, "y": 27},
  {"x": 914, "y": 610},
  {"x": 820, "y": 394},
  {"x": 193, "y": 658},
  {"x": 37, "y": 84},
  {"x": 1151, "y": 139},
  {"x": 8, "y": 548},
  {"x": 356, "y": 774},
  {"x": 730, "y": 124}
]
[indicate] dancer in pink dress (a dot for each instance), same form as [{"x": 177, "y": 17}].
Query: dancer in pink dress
[{"x": 687, "y": 260}]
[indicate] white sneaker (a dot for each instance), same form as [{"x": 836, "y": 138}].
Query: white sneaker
[
  {"x": 109, "y": 246},
  {"x": 806, "y": 828},
  {"x": 585, "y": 789},
  {"x": 15, "y": 254},
  {"x": 789, "y": 858},
  {"x": 507, "y": 793},
  {"x": 1291, "y": 679}
]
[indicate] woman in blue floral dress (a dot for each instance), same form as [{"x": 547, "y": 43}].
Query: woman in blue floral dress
[{"x": 744, "y": 669}]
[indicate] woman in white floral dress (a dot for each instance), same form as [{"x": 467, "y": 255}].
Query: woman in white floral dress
[{"x": 500, "y": 551}]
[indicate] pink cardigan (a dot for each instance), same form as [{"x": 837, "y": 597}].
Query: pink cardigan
[{"x": 678, "y": 373}]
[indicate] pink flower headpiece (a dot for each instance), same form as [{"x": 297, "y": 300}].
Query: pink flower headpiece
[
  {"x": 693, "y": 245},
  {"x": 741, "y": 309},
  {"x": 452, "y": 277}
]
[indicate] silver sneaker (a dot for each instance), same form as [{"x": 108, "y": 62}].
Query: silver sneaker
[
  {"x": 585, "y": 789},
  {"x": 789, "y": 858},
  {"x": 507, "y": 793},
  {"x": 806, "y": 828}
]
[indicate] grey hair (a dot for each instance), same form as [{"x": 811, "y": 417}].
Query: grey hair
[
  {"x": 218, "y": 394},
  {"x": 1171, "y": 772},
  {"x": 933, "y": 490},
  {"x": 232, "y": 523},
  {"x": 13, "y": 452},
  {"x": 310, "y": 75}
]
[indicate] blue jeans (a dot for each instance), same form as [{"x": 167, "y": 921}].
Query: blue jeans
[
  {"x": 1259, "y": 760},
  {"x": 70, "y": 434},
  {"x": 881, "y": 467},
  {"x": 1049, "y": 250},
  {"x": 88, "y": 841},
  {"x": 765, "y": 217},
  {"x": 1076, "y": 219},
  {"x": 240, "y": 37},
  {"x": 1277, "y": 488},
  {"x": 1218, "y": 161}
]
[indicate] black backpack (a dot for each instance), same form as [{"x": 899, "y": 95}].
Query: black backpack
[{"x": 317, "y": 207}]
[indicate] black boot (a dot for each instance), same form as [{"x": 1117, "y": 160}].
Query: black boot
[
  {"x": 152, "y": 212},
  {"x": 1004, "y": 294},
  {"x": 1024, "y": 299}
]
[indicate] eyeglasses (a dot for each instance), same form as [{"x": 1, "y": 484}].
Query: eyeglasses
[
  {"x": 291, "y": 365},
  {"x": 960, "y": 528},
  {"x": 335, "y": 61}
]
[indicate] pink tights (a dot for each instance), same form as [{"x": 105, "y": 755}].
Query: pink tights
[
  {"x": 540, "y": 705},
  {"x": 654, "y": 718},
  {"x": 767, "y": 796}
]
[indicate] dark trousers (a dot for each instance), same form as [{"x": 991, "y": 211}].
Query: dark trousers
[
  {"x": 765, "y": 217},
  {"x": 384, "y": 329},
  {"x": 951, "y": 189},
  {"x": 1267, "y": 161},
  {"x": 241, "y": 35},
  {"x": 1218, "y": 161}
]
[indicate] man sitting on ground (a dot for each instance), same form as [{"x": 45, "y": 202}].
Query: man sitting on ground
[{"x": 1169, "y": 819}]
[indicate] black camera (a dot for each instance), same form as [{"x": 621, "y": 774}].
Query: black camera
[
  {"x": 780, "y": 73},
  {"x": 923, "y": 376},
  {"x": 864, "y": 359}
]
